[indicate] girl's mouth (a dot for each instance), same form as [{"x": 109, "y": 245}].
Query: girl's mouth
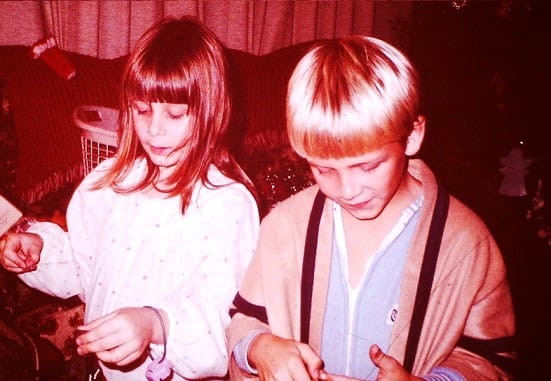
[{"x": 161, "y": 151}]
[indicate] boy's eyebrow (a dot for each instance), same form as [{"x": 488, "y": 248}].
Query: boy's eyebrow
[{"x": 369, "y": 161}]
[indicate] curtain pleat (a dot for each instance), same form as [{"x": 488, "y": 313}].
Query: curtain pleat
[{"x": 109, "y": 29}]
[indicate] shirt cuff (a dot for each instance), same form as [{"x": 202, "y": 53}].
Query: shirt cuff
[
  {"x": 241, "y": 350},
  {"x": 442, "y": 373}
]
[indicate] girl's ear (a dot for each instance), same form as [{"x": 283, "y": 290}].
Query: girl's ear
[{"x": 416, "y": 136}]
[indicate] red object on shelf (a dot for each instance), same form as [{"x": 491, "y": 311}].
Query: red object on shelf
[{"x": 47, "y": 50}]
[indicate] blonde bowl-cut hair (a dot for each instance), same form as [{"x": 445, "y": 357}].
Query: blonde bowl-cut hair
[
  {"x": 177, "y": 61},
  {"x": 349, "y": 96}
]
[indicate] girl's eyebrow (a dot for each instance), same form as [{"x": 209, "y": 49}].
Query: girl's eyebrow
[
  {"x": 137, "y": 101},
  {"x": 132, "y": 99}
]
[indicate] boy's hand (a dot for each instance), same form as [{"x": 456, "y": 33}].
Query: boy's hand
[
  {"x": 389, "y": 368},
  {"x": 335, "y": 377},
  {"x": 120, "y": 337},
  {"x": 276, "y": 358},
  {"x": 20, "y": 252}
]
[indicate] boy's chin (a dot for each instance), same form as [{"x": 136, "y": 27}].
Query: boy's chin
[{"x": 365, "y": 214}]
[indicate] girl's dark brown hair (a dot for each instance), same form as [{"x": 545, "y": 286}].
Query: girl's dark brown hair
[{"x": 178, "y": 61}]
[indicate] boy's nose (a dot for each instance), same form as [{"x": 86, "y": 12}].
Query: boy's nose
[{"x": 349, "y": 188}]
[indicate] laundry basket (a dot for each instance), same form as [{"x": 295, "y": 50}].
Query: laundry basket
[{"x": 98, "y": 134}]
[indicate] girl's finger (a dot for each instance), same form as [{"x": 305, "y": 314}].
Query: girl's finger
[{"x": 96, "y": 323}]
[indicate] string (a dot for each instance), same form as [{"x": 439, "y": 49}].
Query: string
[{"x": 163, "y": 329}]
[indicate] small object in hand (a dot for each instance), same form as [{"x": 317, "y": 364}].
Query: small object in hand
[
  {"x": 161, "y": 368},
  {"x": 158, "y": 370}
]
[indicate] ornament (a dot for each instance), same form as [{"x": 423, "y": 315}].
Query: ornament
[
  {"x": 158, "y": 370},
  {"x": 514, "y": 168}
]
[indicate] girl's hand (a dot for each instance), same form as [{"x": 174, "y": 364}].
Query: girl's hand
[
  {"x": 20, "y": 252},
  {"x": 120, "y": 337},
  {"x": 276, "y": 358},
  {"x": 389, "y": 368}
]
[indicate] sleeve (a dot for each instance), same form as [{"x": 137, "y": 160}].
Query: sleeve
[
  {"x": 441, "y": 373},
  {"x": 69, "y": 253},
  {"x": 241, "y": 350},
  {"x": 56, "y": 258},
  {"x": 248, "y": 312},
  {"x": 226, "y": 232},
  {"x": 72, "y": 253},
  {"x": 485, "y": 350}
]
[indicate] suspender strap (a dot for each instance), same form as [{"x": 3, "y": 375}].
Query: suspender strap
[
  {"x": 426, "y": 276},
  {"x": 308, "y": 266},
  {"x": 425, "y": 281}
]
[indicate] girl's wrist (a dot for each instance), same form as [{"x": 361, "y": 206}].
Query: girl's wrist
[{"x": 159, "y": 332}]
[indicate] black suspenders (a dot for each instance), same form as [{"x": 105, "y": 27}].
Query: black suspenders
[
  {"x": 425, "y": 281},
  {"x": 309, "y": 265},
  {"x": 427, "y": 274}
]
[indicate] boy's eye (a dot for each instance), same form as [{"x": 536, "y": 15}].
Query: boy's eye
[
  {"x": 325, "y": 170},
  {"x": 369, "y": 167}
]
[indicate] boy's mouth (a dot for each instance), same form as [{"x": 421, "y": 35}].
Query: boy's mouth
[{"x": 358, "y": 206}]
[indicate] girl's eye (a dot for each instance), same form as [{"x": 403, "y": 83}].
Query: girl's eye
[
  {"x": 175, "y": 116},
  {"x": 141, "y": 108},
  {"x": 142, "y": 111},
  {"x": 177, "y": 112}
]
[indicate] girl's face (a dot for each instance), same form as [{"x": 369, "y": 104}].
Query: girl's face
[{"x": 161, "y": 129}]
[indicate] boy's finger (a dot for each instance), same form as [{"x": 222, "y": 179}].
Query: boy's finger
[
  {"x": 377, "y": 356},
  {"x": 312, "y": 361}
]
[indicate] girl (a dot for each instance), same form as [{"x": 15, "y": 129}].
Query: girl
[{"x": 159, "y": 236}]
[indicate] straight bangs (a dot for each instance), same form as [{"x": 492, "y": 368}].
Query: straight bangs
[
  {"x": 325, "y": 136},
  {"x": 162, "y": 79},
  {"x": 346, "y": 98}
]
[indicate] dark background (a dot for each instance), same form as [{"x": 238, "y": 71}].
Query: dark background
[{"x": 486, "y": 69}]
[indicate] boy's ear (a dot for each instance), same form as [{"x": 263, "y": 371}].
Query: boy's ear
[{"x": 415, "y": 138}]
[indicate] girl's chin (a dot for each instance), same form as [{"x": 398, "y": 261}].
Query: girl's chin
[{"x": 165, "y": 164}]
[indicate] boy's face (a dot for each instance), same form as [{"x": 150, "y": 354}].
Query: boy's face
[{"x": 364, "y": 185}]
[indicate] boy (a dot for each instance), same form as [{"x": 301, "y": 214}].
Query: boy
[{"x": 335, "y": 289}]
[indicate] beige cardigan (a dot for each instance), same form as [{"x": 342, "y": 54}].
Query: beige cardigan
[{"x": 470, "y": 295}]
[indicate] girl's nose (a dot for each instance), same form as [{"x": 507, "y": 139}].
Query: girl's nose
[{"x": 156, "y": 125}]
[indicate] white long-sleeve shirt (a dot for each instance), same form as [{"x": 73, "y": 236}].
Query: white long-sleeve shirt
[{"x": 131, "y": 250}]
